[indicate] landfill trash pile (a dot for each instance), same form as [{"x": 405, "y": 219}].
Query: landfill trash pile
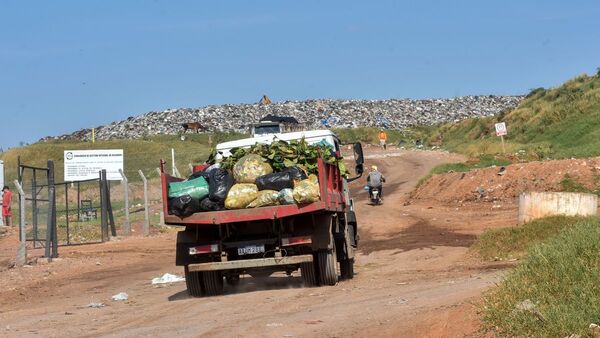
[
  {"x": 391, "y": 114},
  {"x": 263, "y": 175}
]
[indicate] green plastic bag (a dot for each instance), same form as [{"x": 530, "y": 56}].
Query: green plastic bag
[
  {"x": 265, "y": 198},
  {"x": 286, "y": 196},
  {"x": 248, "y": 168},
  {"x": 197, "y": 188},
  {"x": 240, "y": 195},
  {"x": 307, "y": 191}
]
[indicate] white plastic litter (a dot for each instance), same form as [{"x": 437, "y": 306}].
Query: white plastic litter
[
  {"x": 167, "y": 278},
  {"x": 95, "y": 305},
  {"x": 120, "y": 296}
]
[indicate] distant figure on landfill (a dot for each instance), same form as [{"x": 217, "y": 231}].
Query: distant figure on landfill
[
  {"x": 193, "y": 126},
  {"x": 265, "y": 100},
  {"x": 375, "y": 179},
  {"x": 6, "y": 200},
  {"x": 382, "y": 139}
]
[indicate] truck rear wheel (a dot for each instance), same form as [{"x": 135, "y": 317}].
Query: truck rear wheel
[
  {"x": 347, "y": 268},
  {"x": 307, "y": 270},
  {"x": 193, "y": 282},
  {"x": 327, "y": 262},
  {"x": 213, "y": 282}
]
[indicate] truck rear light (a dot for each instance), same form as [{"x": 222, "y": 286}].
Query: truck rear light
[
  {"x": 203, "y": 249},
  {"x": 296, "y": 240}
]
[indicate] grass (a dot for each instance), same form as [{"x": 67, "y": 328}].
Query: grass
[
  {"x": 560, "y": 122},
  {"x": 558, "y": 281},
  {"x": 513, "y": 242},
  {"x": 144, "y": 154}
]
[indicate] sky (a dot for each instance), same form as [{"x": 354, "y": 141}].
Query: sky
[{"x": 67, "y": 65}]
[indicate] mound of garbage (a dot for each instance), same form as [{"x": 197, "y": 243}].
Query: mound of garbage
[
  {"x": 392, "y": 114},
  {"x": 263, "y": 175}
]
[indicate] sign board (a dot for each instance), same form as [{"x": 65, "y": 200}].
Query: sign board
[
  {"x": 501, "y": 129},
  {"x": 83, "y": 165}
]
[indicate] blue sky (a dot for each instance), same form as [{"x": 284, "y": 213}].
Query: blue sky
[{"x": 66, "y": 65}]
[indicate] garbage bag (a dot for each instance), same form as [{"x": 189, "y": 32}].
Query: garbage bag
[
  {"x": 197, "y": 188},
  {"x": 297, "y": 173},
  {"x": 265, "y": 198},
  {"x": 197, "y": 174},
  {"x": 240, "y": 195},
  {"x": 209, "y": 205},
  {"x": 275, "y": 181},
  {"x": 250, "y": 167},
  {"x": 286, "y": 196},
  {"x": 307, "y": 191},
  {"x": 219, "y": 183},
  {"x": 183, "y": 206}
]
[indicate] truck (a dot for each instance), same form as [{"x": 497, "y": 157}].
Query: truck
[
  {"x": 217, "y": 247},
  {"x": 273, "y": 124}
]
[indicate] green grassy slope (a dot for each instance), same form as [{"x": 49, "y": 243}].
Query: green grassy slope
[
  {"x": 557, "y": 123},
  {"x": 144, "y": 154}
]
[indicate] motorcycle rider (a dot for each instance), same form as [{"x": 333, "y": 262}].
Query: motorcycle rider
[{"x": 375, "y": 179}]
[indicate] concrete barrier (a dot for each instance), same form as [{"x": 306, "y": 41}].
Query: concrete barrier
[{"x": 534, "y": 205}]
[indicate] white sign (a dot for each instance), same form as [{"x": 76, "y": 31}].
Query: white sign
[
  {"x": 501, "y": 129},
  {"x": 86, "y": 164}
]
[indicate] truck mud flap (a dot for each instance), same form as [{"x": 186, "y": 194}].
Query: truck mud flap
[{"x": 251, "y": 263}]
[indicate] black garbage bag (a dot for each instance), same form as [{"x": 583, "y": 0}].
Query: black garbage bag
[
  {"x": 208, "y": 205},
  {"x": 202, "y": 173},
  {"x": 219, "y": 183},
  {"x": 297, "y": 173},
  {"x": 183, "y": 206},
  {"x": 275, "y": 181}
]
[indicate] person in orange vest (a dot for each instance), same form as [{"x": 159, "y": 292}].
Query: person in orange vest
[
  {"x": 6, "y": 200},
  {"x": 382, "y": 139}
]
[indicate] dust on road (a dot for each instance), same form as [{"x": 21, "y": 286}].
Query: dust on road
[{"x": 414, "y": 277}]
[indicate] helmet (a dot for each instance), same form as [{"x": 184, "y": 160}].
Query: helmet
[{"x": 374, "y": 167}]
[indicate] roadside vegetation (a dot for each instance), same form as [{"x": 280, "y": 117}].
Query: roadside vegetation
[
  {"x": 144, "y": 154},
  {"x": 513, "y": 242},
  {"x": 554, "y": 292},
  {"x": 556, "y": 123}
]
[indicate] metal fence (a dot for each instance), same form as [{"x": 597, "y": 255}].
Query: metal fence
[{"x": 64, "y": 213}]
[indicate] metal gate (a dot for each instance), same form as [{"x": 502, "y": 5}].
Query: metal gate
[{"x": 64, "y": 213}]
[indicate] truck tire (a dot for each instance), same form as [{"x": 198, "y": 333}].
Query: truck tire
[
  {"x": 213, "y": 282},
  {"x": 193, "y": 282},
  {"x": 347, "y": 268},
  {"x": 309, "y": 275},
  {"x": 327, "y": 262}
]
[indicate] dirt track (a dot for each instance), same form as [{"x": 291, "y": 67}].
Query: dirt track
[{"x": 414, "y": 278}]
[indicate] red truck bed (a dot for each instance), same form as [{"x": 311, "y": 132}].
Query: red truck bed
[{"x": 332, "y": 199}]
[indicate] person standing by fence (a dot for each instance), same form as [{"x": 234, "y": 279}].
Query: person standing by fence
[{"x": 6, "y": 200}]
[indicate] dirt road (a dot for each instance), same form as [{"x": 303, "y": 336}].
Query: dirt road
[{"x": 414, "y": 278}]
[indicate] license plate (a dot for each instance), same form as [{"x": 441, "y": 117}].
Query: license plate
[{"x": 251, "y": 249}]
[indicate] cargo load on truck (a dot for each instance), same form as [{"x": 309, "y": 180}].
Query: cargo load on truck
[{"x": 255, "y": 177}]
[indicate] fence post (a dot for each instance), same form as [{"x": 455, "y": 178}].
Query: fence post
[
  {"x": 126, "y": 224},
  {"x": 173, "y": 161},
  {"x": 104, "y": 206},
  {"x": 51, "y": 231},
  {"x": 146, "y": 211},
  {"x": 22, "y": 249},
  {"x": 191, "y": 167}
]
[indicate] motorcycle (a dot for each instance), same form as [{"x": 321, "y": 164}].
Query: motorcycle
[{"x": 375, "y": 196}]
